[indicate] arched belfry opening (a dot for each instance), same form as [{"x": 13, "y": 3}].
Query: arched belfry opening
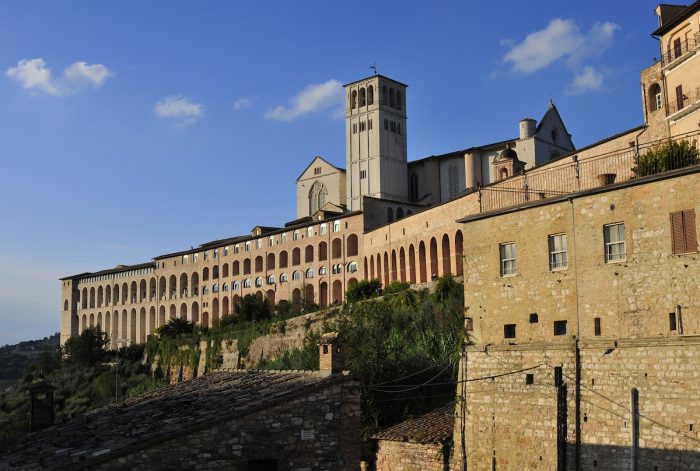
[{"x": 317, "y": 197}]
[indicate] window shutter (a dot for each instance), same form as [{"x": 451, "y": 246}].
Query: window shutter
[
  {"x": 691, "y": 240},
  {"x": 677, "y": 237}
]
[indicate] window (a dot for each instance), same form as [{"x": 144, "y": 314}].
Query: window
[
  {"x": 258, "y": 243},
  {"x": 683, "y": 234},
  {"x": 271, "y": 241},
  {"x": 296, "y": 275},
  {"x": 246, "y": 283},
  {"x": 353, "y": 100},
  {"x": 259, "y": 281},
  {"x": 247, "y": 246},
  {"x": 529, "y": 378},
  {"x": 555, "y": 134},
  {"x": 225, "y": 287},
  {"x": 323, "y": 229},
  {"x": 309, "y": 273},
  {"x": 215, "y": 288},
  {"x": 393, "y": 126},
  {"x": 283, "y": 278},
  {"x": 236, "y": 248},
  {"x": 296, "y": 235},
  {"x": 596, "y": 326},
  {"x": 352, "y": 267},
  {"x": 507, "y": 252},
  {"x": 453, "y": 180},
  {"x": 672, "y": 324},
  {"x": 534, "y": 318},
  {"x": 363, "y": 174},
  {"x": 284, "y": 238},
  {"x": 271, "y": 280},
  {"x": 322, "y": 271},
  {"x": 370, "y": 95},
  {"x": 398, "y": 128},
  {"x": 226, "y": 251},
  {"x": 386, "y": 124},
  {"x": 614, "y": 242},
  {"x": 559, "y": 327},
  {"x": 363, "y": 97},
  {"x": 310, "y": 231},
  {"x": 655, "y": 102},
  {"x": 216, "y": 253},
  {"x": 336, "y": 226},
  {"x": 354, "y": 128},
  {"x": 398, "y": 100},
  {"x": 206, "y": 255},
  {"x": 558, "y": 257},
  {"x": 509, "y": 331}
]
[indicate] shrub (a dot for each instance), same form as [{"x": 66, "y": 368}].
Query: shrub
[
  {"x": 253, "y": 308},
  {"x": 396, "y": 286},
  {"x": 86, "y": 349},
  {"x": 364, "y": 289},
  {"x": 670, "y": 155}
]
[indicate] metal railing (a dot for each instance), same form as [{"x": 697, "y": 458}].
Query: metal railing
[
  {"x": 679, "y": 50},
  {"x": 592, "y": 172},
  {"x": 689, "y": 98}
]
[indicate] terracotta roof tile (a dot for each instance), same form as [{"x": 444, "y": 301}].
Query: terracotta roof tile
[{"x": 434, "y": 427}]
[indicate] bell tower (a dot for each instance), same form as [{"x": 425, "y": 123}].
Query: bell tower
[{"x": 375, "y": 145}]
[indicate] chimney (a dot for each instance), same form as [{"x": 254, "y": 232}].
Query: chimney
[
  {"x": 41, "y": 402},
  {"x": 528, "y": 126},
  {"x": 332, "y": 348}
]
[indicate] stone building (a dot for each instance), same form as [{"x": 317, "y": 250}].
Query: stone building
[
  {"x": 384, "y": 217},
  {"x": 584, "y": 330},
  {"x": 420, "y": 444},
  {"x": 237, "y": 420}
]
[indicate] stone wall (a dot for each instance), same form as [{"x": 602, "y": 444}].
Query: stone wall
[
  {"x": 407, "y": 456},
  {"x": 317, "y": 431},
  {"x": 535, "y": 398}
]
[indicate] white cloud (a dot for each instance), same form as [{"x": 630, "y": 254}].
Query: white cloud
[
  {"x": 243, "y": 102},
  {"x": 563, "y": 40},
  {"x": 36, "y": 77},
  {"x": 312, "y": 98},
  {"x": 179, "y": 109},
  {"x": 587, "y": 79}
]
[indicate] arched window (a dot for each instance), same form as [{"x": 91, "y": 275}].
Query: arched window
[
  {"x": 310, "y": 231},
  {"x": 399, "y": 213},
  {"x": 353, "y": 99},
  {"x": 247, "y": 246},
  {"x": 284, "y": 238},
  {"x": 246, "y": 283},
  {"x": 389, "y": 214},
  {"x": 296, "y": 256},
  {"x": 323, "y": 229},
  {"x": 370, "y": 95},
  {"x": 205, "y": 274},
  {"x": 271, "y": 241},
  {"x": 205, "y": 290},
  {"x": 398, "y": 102},
  {"x": 322, "y": 271},
  {"x": 555, "y": 134},
  {"x": 351, "y": 245},
  {"x": 236, "y": 248},
  {"x": 310, "y": 273},
  {"x": 225, "y": 287},
  {"x": 453, "y": 180},
  {"x": 271, "y": 280},
  {"x": 296, "y": 235},
  {"x": 284, "y": 278},
  {"x": 259, "y": 281},
  {"x": 215, "y": 272},
  {"x": 352, "y": 267},
  {"x": 236, "y": 285},
  {"x": 296, "y": 275},
  {"x": 385, "y": 96},
  {"x": 504, "y": 173},
  {"x": 215, "y": 288},
  {"x": 317, "y": 197},
  {"x": 655, "y": 102},
  {"x": 336, "y": 226},
  {"x": 363, "y": 98}
]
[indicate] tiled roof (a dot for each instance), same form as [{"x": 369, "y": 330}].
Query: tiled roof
[
  {"x": 675, "y": 15},
  {"x": 181, "y": 408},
  {"x": 434, "y": 427},
  {"x": 117, "y": 269}
]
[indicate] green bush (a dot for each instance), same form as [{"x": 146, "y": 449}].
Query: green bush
[
  {"x": 86, "y": 349},
  {"x": 395, "y": 287},
  {"x": 670, "y": 155},
  {"x": 175, "y": 327},
  {"x": 364, "y": 289},
  {"x": 253, "y": 308}
]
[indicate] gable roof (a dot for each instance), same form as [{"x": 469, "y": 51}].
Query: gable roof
[
  {"x": 673, "y": 15},
  {"x": 553, "y": 111},
  {"x": 318, "y": 157},
  {"x": 178, "y": 409},
  {"x": 434, "y": 427}
]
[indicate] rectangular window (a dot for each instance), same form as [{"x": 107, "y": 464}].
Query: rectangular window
[
  {"x": 354, "y": 128},
  {"x": 683, "y": 233},
  {"x": 206, "y": 255},
  {"x": 596, "y": 326},
  {"x": 559, "y": 327},
  {"x": 614, "y": 242},
  {"x": 398, "y": 128},
  {"x": 393, "y": 126},
  {"x": 509, "y": 331},
  {"x": 558, "y": 257},
  {"x": 507, "y": 252},
  {"x": 672, "y": 325},
  {"x": 529, "y": 378},
  {"x": 679, "y": 98},
  {"x": 659, "y": 103}
]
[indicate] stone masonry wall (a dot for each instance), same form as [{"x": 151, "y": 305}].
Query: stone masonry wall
[
  {"x": 407, "y": 456},
  {"x": 318, "y": 431}
]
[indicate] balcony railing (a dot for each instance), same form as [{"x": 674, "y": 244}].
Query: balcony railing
[
  {"x": 690, "y": 98},
  {"x": 679, "y": 50}
]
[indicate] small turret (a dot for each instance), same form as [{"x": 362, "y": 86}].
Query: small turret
[
  {"x": 528, "y": 126},
  {"x": 332, "y": 348}
]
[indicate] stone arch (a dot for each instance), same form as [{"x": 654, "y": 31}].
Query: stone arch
[
  {"x": 446, "y": 257},
  {"x": 309, "y": 297},
  {"x": 366, "y": 269},
  {"x": 323, "y": 294},
  {"x": 393, "y": 265},
  {"x": 296, "y": 256},
  {"x": 422, "y": 263},
  {"x": 100, "y": 296},
  {"x": 215, "y": 312},
  {"x": 402, "y": 265},
  {"x": 317, "y": 197},
  {"x": 337, "y": 292},
  {"x": 337, "y": 248},
  {"x": 399, "y": 213},
  {"x": 411, "y": 264},
  {"x": 270, "y": 297},
  {"x": 371, "y": 267},
  {"x": 296, "y": 298},
  {"x": 655, "y": 103},
  {"x": 163, "y": 288},
  {"x": 92, "y": 320},
  {"x": 108, "y": 324},
  {"x": 246, "y": 266},
  {"x": 205, "y": 274},
  {"x": 84, "y": 299},
  {"x": 152, "y": 288},
  {"x": 434, "y": 265},
  {"x": 132, "y": 325},
  {"x": 205, "y": 319},
  {"x": 152, "y": 320},
  {"x": 183, "y": 285},
  {"x": 225, "y": 308},
  {"x": 161, "y": 316},
  {"x": 195, "y": 313},
  {"x": 115, "y": 329},
  {"x": 98, "y": 322},
  {"x": 322, "y": 251},
  {"x": 108, "y": 295},
  {"x": 386, "y": 280},
  {"x": 309, "y": 254},
  {"x": 65, "y": 305},
  {"x": 215, "y": 272},
  {"x": 351, "y": 245},
  {"x": 459, "y": 251},
  {"x": 284, "y": 259},
  {"x": 92, "y": 298},
  {"x": 124, "y": 332},
  {"x": 183, "y": 311},
  {"x": 173, "y": 311},
  {"x": 115, "y": 293},
  {"x": 83, "y": 323},
  {"x": 194, "y": 284},
  {"x": 389, "y": 214},
  {"x": 352, "y": 282},
  {"x": 142, "y": 325},
  {"x": 224, "y": 270},
  {"x": 270, "y": 262},
  {"x": 235, "y": 268},
  {"x": 172, "y": 286},
  {"x": 125, "y": 293},
  {"x": 258, "y": 264},
  {"x": 143, "y": 293}
]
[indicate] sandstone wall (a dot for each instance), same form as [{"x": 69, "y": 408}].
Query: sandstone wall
[{"x": 407, "y": 456}]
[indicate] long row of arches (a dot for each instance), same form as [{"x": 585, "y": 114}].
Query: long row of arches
[{"x": 417, "y": 263}]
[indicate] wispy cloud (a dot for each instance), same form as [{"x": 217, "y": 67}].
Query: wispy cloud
[
  {"x": 36, "y": 77},
  {"x": 562, "y": 40},
  {"x": 243, "y": 102},
  {"x": 586, "y": 80},
  {"x": 312, "y": 98},
  {"x": 179, "y": 110}
]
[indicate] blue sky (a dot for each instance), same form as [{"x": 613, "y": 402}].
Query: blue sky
[{"x": 131, "y": 129}]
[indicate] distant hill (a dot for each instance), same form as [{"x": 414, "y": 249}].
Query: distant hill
[{"x": 15, "y": 358}]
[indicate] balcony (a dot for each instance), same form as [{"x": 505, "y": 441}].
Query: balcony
[
  {"x": 680, "y": 52},
  {"x": 680, "y": 108}
]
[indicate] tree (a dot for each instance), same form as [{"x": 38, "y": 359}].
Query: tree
[
  {"x": 670, "y": 155},
  {"x": 364, "y": 289},
  {"x": 253, "y": 308},
  {"x": 86, "y": 349},
  {"x": 176, "y": 327}
]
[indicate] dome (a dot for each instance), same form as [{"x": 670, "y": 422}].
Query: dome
[{"x": 509, "y": 153}]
